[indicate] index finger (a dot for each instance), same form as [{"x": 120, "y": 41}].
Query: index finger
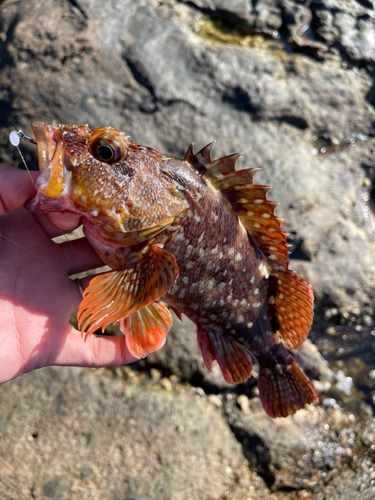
[{"x": 16, "y": 188}]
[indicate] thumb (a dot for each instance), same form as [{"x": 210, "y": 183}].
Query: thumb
[{"x": 16, "y": 188}]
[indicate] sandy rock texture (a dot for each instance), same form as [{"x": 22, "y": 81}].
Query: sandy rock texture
[{"x": 289, "y": 83}]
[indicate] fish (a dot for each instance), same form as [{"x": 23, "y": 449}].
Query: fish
[{"x": 195, "y": 236}]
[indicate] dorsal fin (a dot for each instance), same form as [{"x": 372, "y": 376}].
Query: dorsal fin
[
  {"x": 293, "y": 299},
  {"x": 249, "y": 201},
  {"x": 202, "y": 159}
]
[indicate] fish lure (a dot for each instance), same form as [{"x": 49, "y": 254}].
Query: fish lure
[{"x": 196, "y": 236}]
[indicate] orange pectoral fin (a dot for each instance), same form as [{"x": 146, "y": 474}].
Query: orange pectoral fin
[
  {"x": 114, "y": 295},
  {"x": 145, "y": 330}
]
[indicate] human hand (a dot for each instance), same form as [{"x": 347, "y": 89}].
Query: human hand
[{"x": 36, "y": 295}]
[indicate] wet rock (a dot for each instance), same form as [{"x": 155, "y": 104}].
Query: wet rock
[
  {"x": 312, "y": 450},
  {"x": 80, "y": 434},
  {"x": 312, "y": 362},
  {"x": 348, "y": 26}
]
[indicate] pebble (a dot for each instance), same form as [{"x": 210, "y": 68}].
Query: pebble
[
  {"x": 155, "y": 375},
  {"x": 215, "y": 400},
  {"x": 166, "y": 384},
  {"x": 244, "y": 404}
]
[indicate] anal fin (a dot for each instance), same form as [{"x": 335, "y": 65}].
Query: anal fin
[
  {"x": 145, "y": 330},
  {"x": 234, "y": 359}
]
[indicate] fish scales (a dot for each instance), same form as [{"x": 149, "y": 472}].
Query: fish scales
[
  {"x": 215, "y": 260},
  {"x": 196, "y": 235}
]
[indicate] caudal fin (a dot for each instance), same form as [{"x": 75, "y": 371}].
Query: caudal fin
[{"x": 284, "y": 389}]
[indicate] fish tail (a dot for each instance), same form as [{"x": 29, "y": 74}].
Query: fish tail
[{"x": 284, "y": 388}]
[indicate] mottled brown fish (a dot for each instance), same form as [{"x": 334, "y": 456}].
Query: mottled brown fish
[{"x": 194, "y": 234}]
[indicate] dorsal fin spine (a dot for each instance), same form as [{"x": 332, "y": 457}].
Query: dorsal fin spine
[
  {"x": 204, "y": 155},
  {"x": 189, "y": 155},
  {"x": 293, "y": 297}
]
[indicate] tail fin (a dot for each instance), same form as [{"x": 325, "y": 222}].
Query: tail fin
[{"x": 284, "y": 389}]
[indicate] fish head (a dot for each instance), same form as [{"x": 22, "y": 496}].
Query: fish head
[{"x": 115, "y": 184}]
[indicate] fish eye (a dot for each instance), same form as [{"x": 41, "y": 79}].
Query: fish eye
[
  {"x": 108, "y": 148},
  {"x": 105, "y": 152}
]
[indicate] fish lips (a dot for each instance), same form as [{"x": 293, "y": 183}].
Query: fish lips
[{"x": 54, "y": 180}]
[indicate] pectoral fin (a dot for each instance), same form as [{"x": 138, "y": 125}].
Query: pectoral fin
[{"x": 114, "y": 295}]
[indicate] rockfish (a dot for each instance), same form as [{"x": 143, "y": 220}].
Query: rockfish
[{"x": 196, "y": 235}]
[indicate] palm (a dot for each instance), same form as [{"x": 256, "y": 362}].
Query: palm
[{"x": 36, "y": 295}]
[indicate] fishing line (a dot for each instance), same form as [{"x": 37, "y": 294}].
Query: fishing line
[
  {"x": 28, "y": 250},
  {"x": 15, "y": 138}
]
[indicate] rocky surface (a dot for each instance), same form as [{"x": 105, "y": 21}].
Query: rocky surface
[
  {"x": 85, "y": 434},
  {"x": 292, "y": 85},
  {"x": 90, "y": 436},
  {"x": 170, "y": 73}
]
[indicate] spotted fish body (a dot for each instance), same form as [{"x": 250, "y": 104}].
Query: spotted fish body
[{"x": 195, "y": 234}]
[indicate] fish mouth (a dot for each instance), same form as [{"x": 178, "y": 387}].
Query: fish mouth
[{"x": 55, "y": 173}]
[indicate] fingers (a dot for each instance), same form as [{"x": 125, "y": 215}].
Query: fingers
[
  {"x": 50, "y": 227},
  {"x": 80, "y": 256},
  {"x": 96, "y": 351},
  {"x": 16, "y": 188},
  {"x": 65, "y": 221}
]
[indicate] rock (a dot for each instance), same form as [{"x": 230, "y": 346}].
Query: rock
[
  {"x": 301, "y": 107},
  {"x": 346, "y": 25},
  {"x": 314, "y": 449},
  {"x": 80, "y": 434},
  {"x": 147, "y": 69},
  {"x": 105, "y": 438},
  {"x": 235, "y": 6},
  {"x": 312, "y": 362}
]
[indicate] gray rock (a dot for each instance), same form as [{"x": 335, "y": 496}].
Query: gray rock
[
  {"x": 314, "y": 450},
  {"x": 234, "y": 6},
  {"x": 348, "y": 26},
  {"x": 145, "y": 70},
  {"x": 77, "y": 434}
]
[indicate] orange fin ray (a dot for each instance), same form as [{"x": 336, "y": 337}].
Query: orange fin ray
[
  {"x": 114, "y": 295},
  {"x": 257, "y": 214},
  {"x": 284, "y": 389},
  {"x": 249, "y": 201},
  {"x": 293, "y": 303},
  {"x": 146, "y": 330},
  {"x": 234, "y": 360}
]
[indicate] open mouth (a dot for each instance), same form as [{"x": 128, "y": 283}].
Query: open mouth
[
  {"x": 53, "y": 177},
  {"x": 47, "y": 138}
]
